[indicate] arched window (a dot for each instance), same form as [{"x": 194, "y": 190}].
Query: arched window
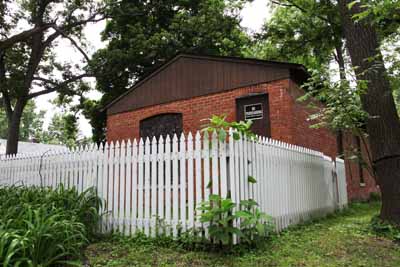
[{"x": 162, "y": 124}]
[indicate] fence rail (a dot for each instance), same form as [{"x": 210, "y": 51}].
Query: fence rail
[{"x": 154, "y": 182}]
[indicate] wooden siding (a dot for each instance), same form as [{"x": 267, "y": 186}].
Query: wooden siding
[{"x": 190, "y": 76}]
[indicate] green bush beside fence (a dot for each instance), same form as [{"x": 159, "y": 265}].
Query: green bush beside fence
[{"x": 45, "y": 227}]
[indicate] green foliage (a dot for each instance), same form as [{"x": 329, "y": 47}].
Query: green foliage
[
  {"x": 219, "y": 215},
  {"x": 220, "y": 125},
  {"x": 142, "y": 35},
  {"x": 307, "y": 35},
  {"x": 45, "y": 227},
  {"x": 64, "y": 130},
  {"x": 31, "y": 123},
  {"x": 254, "y": 224},
  {"x": 391, "y": 54},
  {"x": 385, "y": 229},
  {"x": 384, "y": 14},
  {"x": 251, "y": 179},
  {"x": 29, "y": 65},
  {"x": 342, "y": 109}
]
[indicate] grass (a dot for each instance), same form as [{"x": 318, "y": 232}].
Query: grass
[{"x": 340, "y": 240}]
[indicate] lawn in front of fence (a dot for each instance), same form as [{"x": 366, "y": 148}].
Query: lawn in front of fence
[{"x": 340, "y": 240}]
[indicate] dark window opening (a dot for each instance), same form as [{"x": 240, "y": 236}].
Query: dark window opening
[
  {"x": 256, "y": 108},
  {"x": 161, "y": 125}
]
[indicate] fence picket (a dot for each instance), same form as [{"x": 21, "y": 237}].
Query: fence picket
[
  {"x": 116, "y": 188},
  {"x": 182, "y": 182},
  {"x": 190, "y": 179},
  {"x": 214, "y": 162},
  {"x": 198, "y": 180},
  {"x": 140, "y": 206},
  {"x": 168, "y": 183},
  {"x": 122, "y": 188},
  {"x": 147, "y": 187},
  {"x": 110, "y": 186},
  {"x": 153, "y": 185},
  {"x": 175, "y": 186},
  {"x": 161, "y": 183},
  {"x": 134, "y": 181},
  {"x": 128, "y": 189}
]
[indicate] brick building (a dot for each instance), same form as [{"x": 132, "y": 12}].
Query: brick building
[{"x": 181, "y": 93}]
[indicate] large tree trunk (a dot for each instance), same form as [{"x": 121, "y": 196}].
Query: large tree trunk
[
  {"x": 13, "y": 128},
  {"x": 383, "y": 127}
]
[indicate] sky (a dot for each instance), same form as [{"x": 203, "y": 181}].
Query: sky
[{"x": 253, "y": 16}]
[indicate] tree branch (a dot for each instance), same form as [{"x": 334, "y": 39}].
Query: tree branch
[
  {"x": 57, "y": 86},
  {"x": 292, "y": 3},
  {"x": 23, "y": 36},
  {"x": 74, "y": 43}
]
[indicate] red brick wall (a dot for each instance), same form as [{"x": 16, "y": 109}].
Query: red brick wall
[
  {"x": 317, "y": 139},
  {"x": 288, "y": 118},
  {"x": 356, "y": 190}
]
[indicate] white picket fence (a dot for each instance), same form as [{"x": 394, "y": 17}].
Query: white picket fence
[{"x": 155, "y": 186}]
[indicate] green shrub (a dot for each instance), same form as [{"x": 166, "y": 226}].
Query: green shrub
[
  {"x": 255, "y": 225},
  {"x": 45, "y": 227},
  {"x": 219, "y": 215}
]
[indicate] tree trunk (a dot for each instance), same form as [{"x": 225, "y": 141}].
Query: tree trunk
[
  {"x": 13, "y": 128},
  {"x": 340, "y": 60},
  {"x": 342, "y": 75},
  {"x": 383, "y": 126}
]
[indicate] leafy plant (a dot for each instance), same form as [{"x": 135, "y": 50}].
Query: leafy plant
[
  {"x": 221, "y": 126},
  {"x": 255, "y": 224},
  {"x": 45, "y": 227},
  {"x": 219, "y": 214}
]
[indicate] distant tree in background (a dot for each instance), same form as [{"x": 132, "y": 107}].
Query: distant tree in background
[
  {"x": 161, "y": 29},
  {"x": 31, "y": 127},
  {"x": 309, "y": 34},
  {"x": 63, "y": 130}
]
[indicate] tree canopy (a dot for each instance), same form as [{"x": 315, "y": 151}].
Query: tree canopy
[
  {"x": 29, "y": 32},
  {"x": 143, "y": 34}
]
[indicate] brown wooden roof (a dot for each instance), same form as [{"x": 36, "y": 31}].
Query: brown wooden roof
[{"x": 187, "y": 76}]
